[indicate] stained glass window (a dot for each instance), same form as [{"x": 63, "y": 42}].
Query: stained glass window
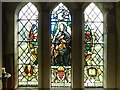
[
  {"x": 28, "y": 46},
  {"x": 60, "y": 47},
  {"x": 93, "y": 47}
]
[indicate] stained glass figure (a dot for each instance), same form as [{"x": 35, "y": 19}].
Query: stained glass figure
[
  {"x": 60, "y": 47},
  {"x": 93, "y": 47},
  {"x": 28, "y": 46}
]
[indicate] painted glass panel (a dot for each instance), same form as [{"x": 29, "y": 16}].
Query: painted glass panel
[
  {"x": 60, "y": 47},
  {"x": 93, "y": 47},
  {"x": 28, "y": 46}
]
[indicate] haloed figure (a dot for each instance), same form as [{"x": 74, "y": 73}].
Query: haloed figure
[{"x": 62, "y": 45}]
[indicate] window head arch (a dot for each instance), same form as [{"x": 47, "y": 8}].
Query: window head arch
[
  {"x": 93, "y": 47},
  {"x": 93, "y": 13},
  {"x": 61, "y": 13},
  {"x": 29, "y": 11},
  {"x": 60, "y": 47},
  {"x": 28, "y": 46}
]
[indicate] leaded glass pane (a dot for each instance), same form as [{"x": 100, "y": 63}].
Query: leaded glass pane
[
  {"x": 60, "y": 47},
  {"x": 28, "y": 46},
  {"x": 93, "y": 47}
]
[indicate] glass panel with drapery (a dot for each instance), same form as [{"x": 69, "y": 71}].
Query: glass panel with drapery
[
  {"x": 60, "y": 47},
  {"x": 93, "y": 47},
  {"x": 28, "y": 46}
]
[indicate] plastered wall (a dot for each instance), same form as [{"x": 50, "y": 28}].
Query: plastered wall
[{"x": 118, "y": 43}]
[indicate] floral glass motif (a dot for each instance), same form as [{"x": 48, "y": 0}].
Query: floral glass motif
[
  {"x": 28, "y": 46},
  {"x": 60, "y": 47},
  {"x": 93, "y": 47}
]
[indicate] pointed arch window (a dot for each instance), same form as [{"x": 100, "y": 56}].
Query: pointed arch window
[
  {"x": 60, "y": 47},
  {"x": 93, "y": 47},
  {"x": 28, "y": 46}
]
